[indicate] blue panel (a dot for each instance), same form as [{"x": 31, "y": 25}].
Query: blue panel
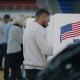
[{"x": 67, "y": 6}]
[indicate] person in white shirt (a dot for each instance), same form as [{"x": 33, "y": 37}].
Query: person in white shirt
[
  {"x": 35, "y": 48},
  {"x": 2, "y": 24}
]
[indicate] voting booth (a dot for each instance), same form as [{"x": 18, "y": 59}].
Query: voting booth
[
  {"x": 66, "y": 31},
  {"x": 63, "y": 29}
]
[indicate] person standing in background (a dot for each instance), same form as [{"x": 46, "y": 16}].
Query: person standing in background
[
  {"x": 2, "y": 24},
  {"x": 35, "y": 48},
  {"x": 5, "y": 42},
  {"x": 15, "y": 47}
]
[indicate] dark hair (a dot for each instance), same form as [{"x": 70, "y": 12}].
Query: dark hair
[
  {"x": 6, "y": 16},
  {"x": 41, "y": 11}
]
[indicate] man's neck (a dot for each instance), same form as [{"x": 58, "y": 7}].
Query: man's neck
[{"x": 38, "y": 21}]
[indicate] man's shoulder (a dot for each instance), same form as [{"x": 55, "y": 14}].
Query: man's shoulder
[
  {"x": 7, "y": 27},
  {"x": 8, "y": 24},
  {"x": 33, "y": 27}
]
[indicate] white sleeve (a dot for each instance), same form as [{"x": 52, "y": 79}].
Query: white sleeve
[{"x": 41, "y": 41}]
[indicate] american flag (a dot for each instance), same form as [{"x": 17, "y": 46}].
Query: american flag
[{"x": 70, "y": 30}]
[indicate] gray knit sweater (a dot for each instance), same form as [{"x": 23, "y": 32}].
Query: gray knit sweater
[{"x": 15, "y": 39}]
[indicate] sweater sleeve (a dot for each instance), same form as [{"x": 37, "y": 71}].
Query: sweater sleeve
[
  {"x": 41, "y": 41},
  {"x": 19, "y": 35}
]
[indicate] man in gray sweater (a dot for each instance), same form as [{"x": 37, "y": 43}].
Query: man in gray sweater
[
  {"x": 35, "y": 46},
  {"x": 2, "y": 24}
]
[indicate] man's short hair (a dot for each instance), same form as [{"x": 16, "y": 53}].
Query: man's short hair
[
  {"x": 6, "y": 16},
  {"x": 42, "y": 11}
]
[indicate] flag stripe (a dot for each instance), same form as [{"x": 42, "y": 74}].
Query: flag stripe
[{"x": 70, "y": 36}]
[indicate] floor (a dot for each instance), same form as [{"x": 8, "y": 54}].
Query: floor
[
  {"x": 1, "y": 72},
  {"x": 1, "y": 75}
]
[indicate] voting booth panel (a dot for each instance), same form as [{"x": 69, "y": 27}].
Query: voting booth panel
[{"x": 66, "y": 31}]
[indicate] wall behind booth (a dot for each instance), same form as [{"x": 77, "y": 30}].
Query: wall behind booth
[
  {"x": 13, "y": 14},
  {"x": 49, "y": 32}
]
